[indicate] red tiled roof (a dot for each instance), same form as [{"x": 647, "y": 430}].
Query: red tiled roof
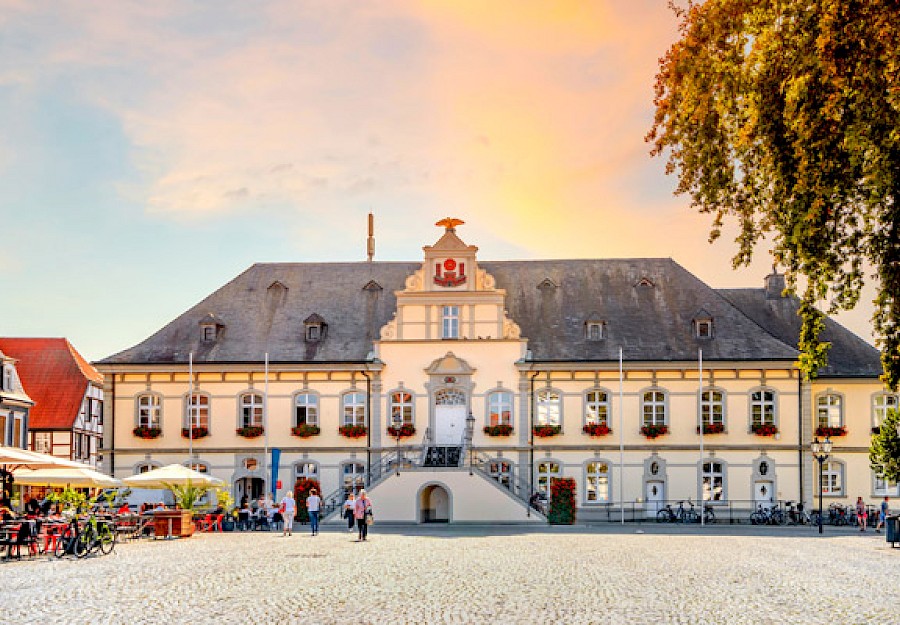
[{"x": 54, "y": 375}]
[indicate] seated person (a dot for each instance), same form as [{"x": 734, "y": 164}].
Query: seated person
[
  {"x": 125, "y": 509},
  {"x": 46, "y": 505},
  {"x": 160, "y": 507},
  {"x": 219, "y": 510},
  {"x": 32, "y": 507}
]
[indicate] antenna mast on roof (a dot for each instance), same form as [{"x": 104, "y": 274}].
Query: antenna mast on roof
[{"x": 370, "y": 242}]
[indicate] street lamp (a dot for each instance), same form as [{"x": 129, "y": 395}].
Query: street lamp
[
  {"x": 397, "y": 418},
  {"x": 821, "y": 451},
  {"x": 470, "y": 429}
]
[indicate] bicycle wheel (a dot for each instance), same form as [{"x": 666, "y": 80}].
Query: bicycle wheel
[
  {"x": 62, "y": 543},
  {"x": 814, "y": 518},
  {"x": 84, "y": 542},
  {"x": 106, "y": 538},
  {"x": 690, "y": 516},
  {"x": 709, "y": 517},
  {"x": 779, "y": 517},
  {"x": 662, "y": 516},
  {"x": 757, "y": 518}
]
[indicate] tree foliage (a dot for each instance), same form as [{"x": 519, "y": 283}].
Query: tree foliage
[
  {"x": 784, "y": 115},
  {"x": 884, "y": 453}
]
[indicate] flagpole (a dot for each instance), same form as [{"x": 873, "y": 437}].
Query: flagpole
[
  {"x": 266, "y": 430},
  {"x": 190, "y": 408},
  {"x": 621, "y": 444},
  {"x": 702, "y": 501}
]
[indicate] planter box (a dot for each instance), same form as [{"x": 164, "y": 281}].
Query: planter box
[
  {"x": 305, "y": 431},
  {"x": 831, "y": 432},
  {"x": 653, "y": 431},
  {"x": 173, "y": 524},
  {"x": 353, "y": 431},
  {"x": 498, "y": 430},
  {"x": 596, "y": 429},
  {"x": 546, "y": 431}
]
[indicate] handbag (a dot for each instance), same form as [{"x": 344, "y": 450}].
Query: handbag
[{"x": 370, "y": 518}]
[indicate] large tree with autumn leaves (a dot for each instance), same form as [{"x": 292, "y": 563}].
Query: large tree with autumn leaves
[{"x": 785, "y": 117}]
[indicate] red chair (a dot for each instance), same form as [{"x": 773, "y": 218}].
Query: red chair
[{"x": 206, "y": 523}]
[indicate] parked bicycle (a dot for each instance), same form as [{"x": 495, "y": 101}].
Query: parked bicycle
[
  {"x": 681, "y": 515},
  {"x": 81, "y": 539}
]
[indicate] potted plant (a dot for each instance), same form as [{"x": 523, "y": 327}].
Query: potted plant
[
  {"x": 305, "y": 431},
  {"x": 596, "y": 429},
  {"x": 546, "y": 431},
  {"x": 712, "y": 428},
  {"x": 250, "y": 431},
  {"x": 404, "y": 431},
  {"x": 498, "y": 430},
  {"x": 302, "y": 488},
  {"x": 764, "y": 429},
  {"x": 654, "y": 431},
  {"x": 142, "y": 431},
  {"x": 353, "y": 431},
  {"x": 831, "y": 432},
  {"x": 224, "y": 499},
  {"x": 198, "y": 431},
  {"x": 562, "y": 501}
]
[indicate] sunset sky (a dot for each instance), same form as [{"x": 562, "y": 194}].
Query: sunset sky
[{"x": 151, "y": 151}]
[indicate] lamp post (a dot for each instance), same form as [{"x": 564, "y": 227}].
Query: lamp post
[
  {"x": 821, "y": 450},
  {"x": 398, "y": 423},
  {"x": 470, "y": 431}
]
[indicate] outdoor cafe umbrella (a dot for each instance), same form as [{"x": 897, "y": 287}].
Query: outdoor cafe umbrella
[
  {"x": 172, "y": 475},
  {"x": 77, "y": 477},
  {"x": 14, "y": 458}
]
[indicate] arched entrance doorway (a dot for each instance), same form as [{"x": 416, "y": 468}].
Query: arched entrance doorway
[
  {"x": 251, "y": 487},
  {"x": 434, "y": 504}
]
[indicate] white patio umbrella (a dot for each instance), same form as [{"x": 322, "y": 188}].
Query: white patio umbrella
[
  {"x": 79, "y": 477},
  {"x": 14, "y": 458},
  {"x": 172, "y": 475}
]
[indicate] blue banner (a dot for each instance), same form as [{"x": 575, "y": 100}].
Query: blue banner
[{"x": 276, "y": 458}]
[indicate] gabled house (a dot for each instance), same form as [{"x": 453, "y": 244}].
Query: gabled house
[
  {"x": 67, "y": 417},
  {"x": 15, "y": 404}
]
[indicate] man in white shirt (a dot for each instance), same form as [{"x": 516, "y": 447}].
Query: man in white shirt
[
  {"x": 313, "y": 504},
  {"x": 288, "y": 509}
]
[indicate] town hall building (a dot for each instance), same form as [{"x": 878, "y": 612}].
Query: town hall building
[{"x": 454, "y": 389}]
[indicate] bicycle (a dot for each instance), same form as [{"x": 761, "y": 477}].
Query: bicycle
[
  {"x": 681, "y": 515},
  {"x": 71, "y": 541}
]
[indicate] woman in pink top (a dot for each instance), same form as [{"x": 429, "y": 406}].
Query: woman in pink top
[{"x": 361, "y": 508}]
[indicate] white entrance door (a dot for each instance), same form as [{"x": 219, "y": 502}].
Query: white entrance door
[
  {"x": 654, "y": 498},
  {"x": 449, "y": 425},
  {"x": 762, "y": 494}
]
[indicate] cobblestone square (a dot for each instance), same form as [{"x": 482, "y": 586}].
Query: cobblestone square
[{"x": 569, "y": 575}]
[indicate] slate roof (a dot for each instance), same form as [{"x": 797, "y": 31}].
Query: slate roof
[
  {"x": 54, "y": 375},
  {"x": 849, "y": 356},
  {"x": 648, "y": 305}
]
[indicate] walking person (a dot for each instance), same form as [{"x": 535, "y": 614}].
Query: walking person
[
  {"x": 288, "y": 510},
  {"x": 362, "y": 510},
  {"x": 349, "y": 513},
  {"x": 882, "y": 515},
  {"x": 861, "y": 514},
  {"x": 313, "y": 504}
]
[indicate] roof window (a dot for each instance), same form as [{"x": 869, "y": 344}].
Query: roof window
[{"x": 315, "y": 328}]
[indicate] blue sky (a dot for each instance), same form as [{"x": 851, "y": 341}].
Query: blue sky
[{"x": 149, "y": 152}]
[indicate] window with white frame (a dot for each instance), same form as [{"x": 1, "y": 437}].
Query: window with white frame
[
  {"x": 596, "y": 482},
  {"x": 7, "y": 380},
  {"x": 354, "y": 409},
  {"x": 450, "y": 322},
  {"x": 306, "y": 409},
  {"x": 500, "y": 470},
  {"x": 762, "y": 407},
  {"x": 500, "y": 406},
  {"x": 199, "y": 467},
  {"x": 653, "y": 408},
  {"x": 594, "y": 330},
  {"x": 306, "y": 471},
  {"x": 596, "y": 407},
  {"x": 401, "y": 408},
  {"x": 42, "y": 442},
  {"x": 549, "y": 407},
  {"x": 547, "y": 470},
  {"x": 353, "y": 474},
  {"x": 704, "y": 328},
  {"x": 713, "y": 480},
  {"x": 881, "y": 403},
  {"x": 144, "y": 467},
  {"x": 833, "y": 478},
  {"x": 251, "y": 410},
  {"x": 197, "y": 410},
  {"x": 883, "y": 487},
  {"x": 829, "y": 411},
  {"x": 712, "y": 407}
]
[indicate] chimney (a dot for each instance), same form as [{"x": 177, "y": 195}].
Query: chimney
[
  {"x": 370, "y": 242},
  {"x": 774, "y": 284}
]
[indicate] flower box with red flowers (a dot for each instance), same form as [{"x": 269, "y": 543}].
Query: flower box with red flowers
[
  {"x": 712, "y": 428},
  {"x": 764, "y": 429},
  {"x": 654, "y": 431},
  {"x": 142, "y": 431},
  {"x": 498, "y": 430},
  {"x": 596, "y": 429},
  {"x": 305, "y": 431},
  {"x": 250, "y": 431},
  {"x": 195, "y": 432},
  {"x": 546, "y": 431},
  {"x": 404, "y": 431},
  {"x": 824, "y": 430},
  {"x": 353, "y": 431}
]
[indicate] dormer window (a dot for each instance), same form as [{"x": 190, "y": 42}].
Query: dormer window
[
  {"x": 594, "y": 330},
  {"x": 6, "y": 383},
  {"x": 210, "y": 328},
  {"x": 314, "y": 328},
  {"x": 703, "y": 325}
]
